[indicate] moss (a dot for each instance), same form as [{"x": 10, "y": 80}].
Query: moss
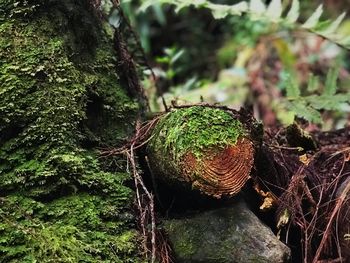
[
  {"x": 186, "y": 245},
  {"x": 74, "y": 228},
  {"x": 60, "y": 99},
  {"x": 194, "y": 130}
]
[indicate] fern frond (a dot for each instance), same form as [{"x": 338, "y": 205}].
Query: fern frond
[
  {"x": 274, "y": 10},
  {"x": 273, "y": 13},
  {"x": 292, "y": 87},
  {"x": 310, "y": 106},
  {"x": 294, "y": 12},
  {"x": 325, "y": 102},
  {"x": 331, "y": 82},
  {"x": 301, "y": 109},
  {"x": 313, "y": 83},
  {"x": 313, "y": 20},
  {"x": 257, "y": 7}
]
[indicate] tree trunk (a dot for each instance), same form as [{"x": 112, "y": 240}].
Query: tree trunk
[{"x": 60, "y": 100}]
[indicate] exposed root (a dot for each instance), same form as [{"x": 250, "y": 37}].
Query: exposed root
[
  {"x": 153, "y": 243},
  {"x": 145, "y": 205},
  {"x": 313, "y": 193},
  {"x": 326, "y": 234}
]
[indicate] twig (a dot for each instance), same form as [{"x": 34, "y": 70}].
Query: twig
[
  {"x": 116, "y": 4},
  {"x": 138, "y": 181},
  {"x": 166, "y": 108},
  {"x": 285, "y": 148},
  {"x": 149, "y": 206},
  {"x": 141, "y": 137}
]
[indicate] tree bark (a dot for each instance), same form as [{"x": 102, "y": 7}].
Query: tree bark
[{"x": 61, "y": 99}]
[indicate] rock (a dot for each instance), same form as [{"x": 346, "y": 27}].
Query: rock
[{"x": 226, "y": 235}]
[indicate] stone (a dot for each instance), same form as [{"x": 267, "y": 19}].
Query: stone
[{"x": 226, "y": 235}]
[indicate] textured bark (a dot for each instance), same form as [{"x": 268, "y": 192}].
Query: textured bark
[{"x": 61, "y": 99}]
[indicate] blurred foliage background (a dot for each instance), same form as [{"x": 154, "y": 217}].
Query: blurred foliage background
[{"x": 277, "y": 72}]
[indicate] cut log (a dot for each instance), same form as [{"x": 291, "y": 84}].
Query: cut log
[{"x": 206, "y": 148}]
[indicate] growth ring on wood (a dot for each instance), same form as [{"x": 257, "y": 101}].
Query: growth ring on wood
[
  {"x": 222, "y": 172},
  {"x": 202, "y": 147}
]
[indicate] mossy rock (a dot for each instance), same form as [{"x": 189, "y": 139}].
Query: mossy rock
[
  {"x": 207, "y": 148},
  {"x": 60, "y": 99},
  {"x": 230, "y": 234}
]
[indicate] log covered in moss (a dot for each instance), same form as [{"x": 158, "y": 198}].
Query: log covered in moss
[{"x": 206, "y": 148}]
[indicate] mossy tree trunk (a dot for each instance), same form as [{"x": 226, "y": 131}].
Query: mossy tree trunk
[{"x": 60, "y": 99}]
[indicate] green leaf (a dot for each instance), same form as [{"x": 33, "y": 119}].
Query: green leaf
[
  {"x": 180, "y": 6},
  {"x": 293, "y": 13},
  {"x": 334, "y": 26},
  {"x": 257, "y": 7},
  {"x": 292, "y": 87},
  {"x": 257, "y": 10},
  {"x": 313, "y": 83},
  {"x": 301, "y": 109},
  {"x": 327, "y": 102},
  {"x": 344, "y": 41},
  {"x": 239, "y": 8},
  {"x": 221, "y": 11},
  {"x": 322, "y": 25},
  {"x": 315, "y": 17},
  {"x": 274, "y": 11},
  {"x": 331, "y": 82},
  {"x": 177, "y": 56},
  {"x": 146, "y": 4}
]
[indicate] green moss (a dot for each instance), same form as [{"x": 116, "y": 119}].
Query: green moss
[
  {"x": 195, "y": 129},
  {"x": 186, "y": 245},
  {"x": 69, "y": 229},
  {"x": 59, "y": 100}
]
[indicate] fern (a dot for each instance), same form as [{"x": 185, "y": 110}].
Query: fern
[
  {"x": 300, "y": 108},
  {"x": 272, "y": 13},
  {"x": 292, "y": 87},
  {"x": 309, "y": 106}
]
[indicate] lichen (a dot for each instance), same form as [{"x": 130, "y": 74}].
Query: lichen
[
  {"x": 60, "y": 99},
  {"x": 194, "y": 130}
]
